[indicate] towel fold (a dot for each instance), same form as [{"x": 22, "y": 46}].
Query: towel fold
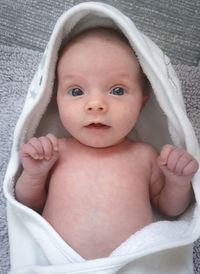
[{"x": 17, "y": 66}]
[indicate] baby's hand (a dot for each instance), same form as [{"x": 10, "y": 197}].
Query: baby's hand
[
  {"x": 39, "y": 155},
  {"x": 177, "y": 164}
]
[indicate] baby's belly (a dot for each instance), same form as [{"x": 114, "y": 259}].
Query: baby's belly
[{"x": 96, "y": 220}]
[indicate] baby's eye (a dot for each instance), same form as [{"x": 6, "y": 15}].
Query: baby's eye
[
  {"x": 75, "y": 92},
  {"x": 118, "y": 91}
]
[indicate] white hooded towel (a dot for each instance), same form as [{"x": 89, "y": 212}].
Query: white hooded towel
[{"x": 161, "y": 247}]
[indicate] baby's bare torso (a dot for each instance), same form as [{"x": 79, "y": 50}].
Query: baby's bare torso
[{"x": 97, "y": 198}]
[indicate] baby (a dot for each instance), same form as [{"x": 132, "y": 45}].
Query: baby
[{"x": 97, "y": 187}]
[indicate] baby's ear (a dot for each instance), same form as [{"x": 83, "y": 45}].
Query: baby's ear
[
  {"x": 145, "y": 99},
  {"x": 55, "y": 90},
  {"x": 54, "y": 98}
]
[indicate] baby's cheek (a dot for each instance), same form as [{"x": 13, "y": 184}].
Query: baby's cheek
[{"x": 129, "y": 120}]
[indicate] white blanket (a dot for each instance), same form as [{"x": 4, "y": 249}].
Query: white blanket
[{"x": 162, "y": 247}]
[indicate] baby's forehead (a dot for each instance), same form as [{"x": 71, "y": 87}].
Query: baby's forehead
[
  {"x": 96, "y": 34},
  {"x": 107, "y": 34}
]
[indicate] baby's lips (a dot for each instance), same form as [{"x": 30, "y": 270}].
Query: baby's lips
[{"x": 97, "y": 125}]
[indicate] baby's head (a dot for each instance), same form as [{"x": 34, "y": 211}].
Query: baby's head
[
  {"x": 101, "y": 87},
  {"x": 108, "y": 35}
]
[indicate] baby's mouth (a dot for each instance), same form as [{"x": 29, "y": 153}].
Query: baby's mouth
[{"x": 97, "y": 126}]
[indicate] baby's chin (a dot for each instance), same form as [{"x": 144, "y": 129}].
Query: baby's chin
[{"x": 100, "y": 144}]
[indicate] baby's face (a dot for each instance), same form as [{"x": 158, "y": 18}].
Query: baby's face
[{"x": 99, "y": 91}]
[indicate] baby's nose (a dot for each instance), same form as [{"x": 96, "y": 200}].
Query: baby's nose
[{"x": 98, "y": 106}]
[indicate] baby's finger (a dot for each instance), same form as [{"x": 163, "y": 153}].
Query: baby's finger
[
  {"x": 174, "y": 158},
  {"x": 164, "y": 154},
  {"x": 36, "y": 144},
  {"x": 182, "y": 162},
  {"x": 54, "y": 141},
  {"x": 47, "y": 147},
  {"x": 29, "y": 151},
  {"x": 191, "y": 168}
]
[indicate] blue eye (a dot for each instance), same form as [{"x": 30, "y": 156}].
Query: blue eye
[
  {"x": 118, "y": 91},
  {"x": 75, "y": 92}
]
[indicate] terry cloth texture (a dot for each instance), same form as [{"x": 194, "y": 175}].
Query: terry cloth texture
[{"x": 17, "y": 66}]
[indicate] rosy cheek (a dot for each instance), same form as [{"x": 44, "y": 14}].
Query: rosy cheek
[{"x": 130, "y": 119}]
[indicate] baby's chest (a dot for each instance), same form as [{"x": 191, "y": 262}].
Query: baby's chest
[{"x": 99, "y": 182}]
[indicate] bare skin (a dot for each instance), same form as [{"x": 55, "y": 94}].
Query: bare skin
[
  {"x": 95, "y": 204},
  {"x": 97, "y": 187},
  {"x": 86, "y": 193}
]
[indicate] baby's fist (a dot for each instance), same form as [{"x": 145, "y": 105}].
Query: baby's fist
[
  {"x": 177, "y": 161},
  {"x": 39, "y": 154}
]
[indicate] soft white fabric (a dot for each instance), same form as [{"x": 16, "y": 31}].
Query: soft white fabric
[{"x": 162, "y": 247}]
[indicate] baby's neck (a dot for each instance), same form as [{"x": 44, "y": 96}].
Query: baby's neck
[{"x": 121, "y": 146}]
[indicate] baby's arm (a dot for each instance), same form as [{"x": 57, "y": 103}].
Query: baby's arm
[
  {"x": 37, "y": 156},
  {"x": 173, "y": 193}
]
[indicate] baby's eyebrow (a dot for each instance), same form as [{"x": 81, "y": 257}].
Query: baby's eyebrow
[
  {"x": 123, "y": 75},
  {"x": 70, "y": 76},
  {"x": 127, "y": 76}
]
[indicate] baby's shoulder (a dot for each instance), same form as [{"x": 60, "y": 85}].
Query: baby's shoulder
[{"x": 143, "y": 150}]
